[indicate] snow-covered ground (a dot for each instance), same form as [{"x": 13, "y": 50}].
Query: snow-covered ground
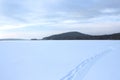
[{"x": 52, "y": 60}]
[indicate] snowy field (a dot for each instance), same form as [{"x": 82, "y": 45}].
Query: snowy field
[{"x": 53, "y": 60}]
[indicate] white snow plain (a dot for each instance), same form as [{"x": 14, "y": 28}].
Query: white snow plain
[{"x": 52, "y": 60}]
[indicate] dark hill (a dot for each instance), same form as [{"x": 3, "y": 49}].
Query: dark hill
[{"x": 81, "y": 36}]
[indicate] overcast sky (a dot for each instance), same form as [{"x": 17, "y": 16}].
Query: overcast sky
[{"x": 38, "y": 18}]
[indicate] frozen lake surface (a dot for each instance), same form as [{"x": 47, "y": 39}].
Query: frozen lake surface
[{"x": 53, "y": 60}]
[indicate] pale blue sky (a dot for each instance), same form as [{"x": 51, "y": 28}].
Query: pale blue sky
[
  {"x": 38, "y": 18},
  {"x": 52, "y": 60}
]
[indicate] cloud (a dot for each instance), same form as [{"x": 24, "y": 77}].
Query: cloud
[
  {"x": 60, "y": 15},
  {"x": 9, "y": 27},
  {"x": 14, "y": 9},
  {"x": 20, "y": 9},
  {"x": 108, "y": 10}
]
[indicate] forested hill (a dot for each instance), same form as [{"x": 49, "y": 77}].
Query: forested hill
[{"x": 81, "y": 36}]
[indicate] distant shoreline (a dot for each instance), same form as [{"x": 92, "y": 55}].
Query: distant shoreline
[{"x": 70, "y": 36}]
